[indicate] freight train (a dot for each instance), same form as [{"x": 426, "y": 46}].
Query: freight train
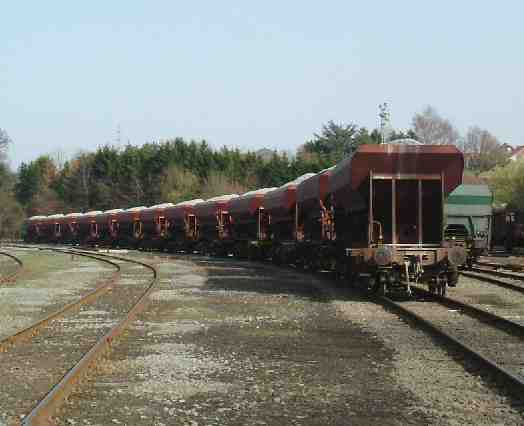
[
  {"x": 508, "y": 229},
  {"x": 376, "y": 220},
  {"x": 469, "y": 217}
]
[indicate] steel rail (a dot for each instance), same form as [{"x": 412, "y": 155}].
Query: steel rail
[
  {"x": 495, "y": 281},
  {"x": 32, "y": 330},
  {"x": 497, "y": 273},
  {"x": 512, "y": 266},
  {"x": 501, "y": 372},
  {"x": 11, "y": 277},
  {"x": 481, "y": 314},
  {"x": 43, "y": 412}
]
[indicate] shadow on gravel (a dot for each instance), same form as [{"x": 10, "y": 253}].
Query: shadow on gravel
[{"x": 265, "y": 278}]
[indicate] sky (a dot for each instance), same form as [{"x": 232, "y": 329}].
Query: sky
[{"x": 251, "y": 74}]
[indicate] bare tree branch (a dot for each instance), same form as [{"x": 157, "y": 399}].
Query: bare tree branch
[
  {"x": 432, "y": 129},
  {"x": 483, "y": 150}
]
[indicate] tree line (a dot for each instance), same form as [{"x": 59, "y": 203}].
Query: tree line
[
  {"x": 11, "y": 213},
  {"x": 177, "y": 169}
]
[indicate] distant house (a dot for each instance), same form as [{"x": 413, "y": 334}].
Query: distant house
[{"x": 515, "y": 152}]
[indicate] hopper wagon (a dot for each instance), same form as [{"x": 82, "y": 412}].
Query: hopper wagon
[
  {"x": 250, "y": 223},
  {"x": 182, "y": 229},
  {"x": 214, "y": 224}
]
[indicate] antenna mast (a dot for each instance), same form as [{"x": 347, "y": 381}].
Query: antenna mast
[
  {"x": 384, "y": 117},
  {"x": 118, "y": 138}
]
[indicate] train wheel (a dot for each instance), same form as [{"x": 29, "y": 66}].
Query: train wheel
[
  {"x": 382, "y": 289},
  {"x": 300, "y": 263},
  {"x": 453, "y": 277},
  {"x": 255, "y": 253},
  {"x": 440, "y": 290},
  {"x": 314, "y": 265},
  {"x": 443, "y": 286},
  {"x": 275, "y": 256}
]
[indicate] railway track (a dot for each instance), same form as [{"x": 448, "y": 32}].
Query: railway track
[
  {"x": 11, "y": 277},
  {"x": 42, "y": 364},
  {"x": 33, "y": 329},
  {"x": 491, "y": 272},
  {"x": 502, "y": 279},
  {"x": 515, "y": 267},
  {"x": 495, "y": 342},
  {"x": 491, "y": 340}
]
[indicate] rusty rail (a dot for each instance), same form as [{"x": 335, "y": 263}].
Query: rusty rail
[
  {"x": 33, "y": 329},
  {"x": 476, "y": 274},
  {"x": 515, "y": 383},
  {"x": 43, "y": 412},
  {"x": 13, "y": 276}
]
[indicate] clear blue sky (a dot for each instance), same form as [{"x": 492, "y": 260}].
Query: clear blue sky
[{"x": 251, "y": 74}]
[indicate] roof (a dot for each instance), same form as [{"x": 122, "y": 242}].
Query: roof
[
  {"x": 222, "y": 198},
  {"x": 399, "y": 159},
  {"x": 471, "y": 194},
  {"x": 160, "y": 206},
  {"x": 470, "y": 200},
  {"x": 55, "y": 216},
  {"x": 248, "y": 203},
  {"x": 189, "y": 202},
  {"x": 297, "y": 180},
  {"x": 256, "y": 192}
]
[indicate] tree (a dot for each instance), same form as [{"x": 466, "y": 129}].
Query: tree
[
  {"x": 11, "y": 214},
  {"x": 432, "y": 129},
  {"x": 219, "y": 184},
  {"x": 507, "y": 183},
  {"x": 5, "y": 140},
  {"x": 482, "y": 150},
  {"x": 335, "y": 142},
  {"x": 179, "y": 184},
  {"x": 34, "y": 178}
]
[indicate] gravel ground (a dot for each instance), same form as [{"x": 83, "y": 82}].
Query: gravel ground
[
  {"x": 451, "y": 392},
  {"x": 47, "y": 281},
  {"x": 229, "y": 342}
]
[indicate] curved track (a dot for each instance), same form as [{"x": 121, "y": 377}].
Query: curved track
[
  {"x": 12, "y": 276},
  {"x": 495, "y": 342},
  {"x": 33, "y": 329},
  {"x": 43, "y": 412},
  {"x": 45, "y": 409}
]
